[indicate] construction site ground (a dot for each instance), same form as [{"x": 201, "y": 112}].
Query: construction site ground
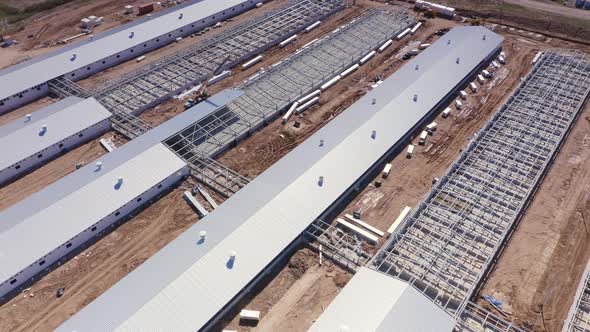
[
  {"x": 40, "y": 33},
  {"x": 302, "y": 289}
]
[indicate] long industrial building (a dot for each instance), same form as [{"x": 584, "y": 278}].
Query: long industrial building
[
  {"x": 44, "y": 134},
  {"x": 98, "y": 195},
  {"x": 448, "y": 244},
  {"x": 25, "y": 82},
  {"x": 373, "y": 301},
  {"x": 196, "y": 279}
]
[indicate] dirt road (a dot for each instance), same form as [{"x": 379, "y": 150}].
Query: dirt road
[
  {"x": 542, "y": 266},
  {"x": 296, "y": 296},
  {"x": 98, "y": 267}
]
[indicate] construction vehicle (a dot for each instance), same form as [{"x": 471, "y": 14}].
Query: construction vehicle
[{"x": 200, "y": 95}]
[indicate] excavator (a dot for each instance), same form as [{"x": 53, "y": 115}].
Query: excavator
[{"x": 202, "y": 94}]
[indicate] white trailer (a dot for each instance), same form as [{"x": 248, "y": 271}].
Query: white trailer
[
  {"x": 385, "y": 45},
  {"x": 481, "y": 79},
  {"x": 463, "y": 94},
  {"x": 486, "y": 73},
  {"x": 423, "y": 137},
  {"x": 446, "y": 113},
  {"x": 495, "y": 64},
  {"x": 386, "y": 171},
  {"x": 473, "y": 87},
  {"x": 501, "y": 59},
  {"x": 458, "y": 104},
  {"x": 431, "y": 128},
  {"x": 423, "y": 46},
  {"x": 253, "y": 315},
  {"x": 367, "y": 57},
  {"x": 399, "y": 220},
  {"x": 410, "y": 151}
]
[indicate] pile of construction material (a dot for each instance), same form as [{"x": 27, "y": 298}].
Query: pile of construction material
[
  {"x": 445, "y": 11},
  {"x": 90, "y": 22}
]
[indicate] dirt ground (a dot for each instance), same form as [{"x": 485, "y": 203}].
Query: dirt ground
[
  {"x": 39, "y": 34},
  {"x": 541, "y": 268},
  {"x": 154, "y": 56},
  {"x": 296, "y": 296},
  {"x": 99, "y": 267},
  {"x": 52, "y": 171}
]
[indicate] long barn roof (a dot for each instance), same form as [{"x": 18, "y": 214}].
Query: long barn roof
[
  {"x": 37, "y": 71},
  {"x": 190, "y": 281}
]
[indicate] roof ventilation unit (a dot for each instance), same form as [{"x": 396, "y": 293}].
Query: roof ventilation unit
[
  {"x": 417, "y": 67},
  {"x": 44, "y": 128},
  {"x": 321, "y": 142},
  {"x": 28, "y": 117},
  {"x": 458, "y": 60},
  {"x": 131, "y": 34},
  {"x": 321, "y": 181},
  {"x": 180, "y": 16},
  {"x": 373, "y": 134},
  {"x": 484, "y": 37},
  {"x": 449, "y": 42},
  {"x": 98, "y": 165},
  {"x": 203, "y": 234},
  {"x": 415, "y": 98},
  {"x": 73, "y": 57}
]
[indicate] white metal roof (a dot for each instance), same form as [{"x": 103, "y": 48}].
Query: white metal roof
[
  {"x": 373, "y": 301},
  {"x": 23, "y": 138},
  {"x": 38, "y": 71},
  {"x": 25, "y": 240},
  {"x": 188, "y": 282}
]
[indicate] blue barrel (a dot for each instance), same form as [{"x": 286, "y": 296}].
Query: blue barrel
[{"x": 580, "y": 3}]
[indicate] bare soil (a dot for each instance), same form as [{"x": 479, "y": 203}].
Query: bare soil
[
  {"x": 99, "y": 267},
  {"x": 528, "y": 268},
  {"x": 539, "y": 272},
  {"x": 296, "y": 296},
  {"x": 52, "y": 171}
]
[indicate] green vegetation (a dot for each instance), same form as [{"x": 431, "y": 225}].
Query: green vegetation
[{"x": 15, "y": 15}]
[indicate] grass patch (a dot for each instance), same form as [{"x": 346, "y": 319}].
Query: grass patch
[{"x": 15, "y": 15}]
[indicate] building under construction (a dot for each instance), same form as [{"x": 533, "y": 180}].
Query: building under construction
[{"x": 425, "y": 273}]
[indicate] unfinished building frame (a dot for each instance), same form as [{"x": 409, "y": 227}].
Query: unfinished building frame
[
  {"x": 266, "y": 96},
  {"x": 151, "y": 84},
  {"x": 447, "y": 245},
  {"x": 578, "y": 319}
]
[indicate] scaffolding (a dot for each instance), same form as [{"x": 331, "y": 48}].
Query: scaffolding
[
  {"x": 64, "y": 87},
  {"x": 475, "y": 319},
  {"x": 343, "y": 247},
  {"x": 447, "y": 245},
  {"x": 153, "y": 83},
  {"x": 265, "y": 97},
  {"x": 578, "y": 319}
]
